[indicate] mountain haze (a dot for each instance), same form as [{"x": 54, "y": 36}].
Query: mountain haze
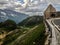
[{"x": 13, "y": 15}]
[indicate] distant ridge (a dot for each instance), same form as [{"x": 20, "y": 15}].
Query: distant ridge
[{"x": 13, "y": 15}]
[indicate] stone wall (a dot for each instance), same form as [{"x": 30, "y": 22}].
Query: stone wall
[{"x": 49, "y": 11}]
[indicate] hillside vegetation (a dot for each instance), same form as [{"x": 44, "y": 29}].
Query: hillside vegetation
[
  {"x": 32, "y": 36},
  {"x": 8, "y": 25},
  {"x": 31, "y": 21},
  {"x": 37, "y": 35}
]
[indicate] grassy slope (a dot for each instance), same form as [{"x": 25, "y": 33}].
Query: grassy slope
[{"x": 32, "y": 36}]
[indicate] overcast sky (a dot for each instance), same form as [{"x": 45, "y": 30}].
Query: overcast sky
[{"x": 21, "y": 4}]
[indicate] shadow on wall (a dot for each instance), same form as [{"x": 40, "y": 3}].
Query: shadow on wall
[{"x": 53, "y": 15}]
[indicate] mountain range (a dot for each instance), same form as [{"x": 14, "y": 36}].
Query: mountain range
[{"x": 13, "y": 15}]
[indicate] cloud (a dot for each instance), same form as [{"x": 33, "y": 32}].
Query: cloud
[
  {"x": 25, "y": 4},
  {"x": 10, "y": 3}
]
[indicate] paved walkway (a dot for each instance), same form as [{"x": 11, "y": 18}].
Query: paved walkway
[
  {"x": 46, "y": 42},
  {"x": 54, "y": 40},
  {"x": 57, "y": 31}
]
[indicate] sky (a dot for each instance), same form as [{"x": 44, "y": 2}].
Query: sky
[{"x": 23, "y": 5}]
